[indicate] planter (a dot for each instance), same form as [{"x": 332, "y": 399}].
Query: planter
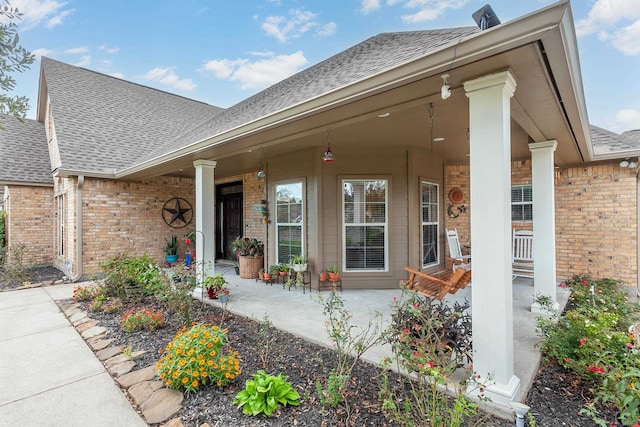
[
  {"x": 282, "y": 273},
  {"x": 324, "y": 277},
  {"x": 212, "y": 293},
  {"x": 171, "y": 258},
  {"x": 299, "y": 267},
  {"x": 224, "y": 298},
  {"x": 266, "y": 277},
  {"x": 334, "y": 277},
  {"x": 250, "y": 266}
]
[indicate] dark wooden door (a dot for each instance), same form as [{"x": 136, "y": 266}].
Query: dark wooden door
[{"x": 229, "y": 212}]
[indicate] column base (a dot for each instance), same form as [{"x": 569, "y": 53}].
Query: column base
[{"x": 500, "y": 394}]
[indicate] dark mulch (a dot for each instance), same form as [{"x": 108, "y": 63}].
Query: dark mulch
[
  {"x": 555, "y": 398},
  {"x": 14, "y": 277}
]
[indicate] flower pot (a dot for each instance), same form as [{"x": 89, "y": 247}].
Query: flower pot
[
  {"x": 224, "y": 298},
  {"x": 282, "y": 273},
  {"x": 299, "y": 267},
  {"x": 334, "y": 277},
  {"x": 266, "y": 277},
  {"x": 212, "y": 293},
  {"x": 250, "y": 266},
  {"x": 171, "y": 258},
  {"x": 324, "y": 277}
]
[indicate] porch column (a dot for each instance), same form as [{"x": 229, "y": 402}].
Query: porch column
[
  {"x": 491, "y": 290},
  {"x": 205, "y": 218},
  {"x": 544, "y": 226}
]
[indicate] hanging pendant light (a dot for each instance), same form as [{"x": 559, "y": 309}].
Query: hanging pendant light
[
  {"x": 327, "y": 157},
  {"x": 261, "y": 172}
]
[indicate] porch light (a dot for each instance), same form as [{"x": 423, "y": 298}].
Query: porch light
[
  {"x": 631, "y": 164},
  {"x": 445, "y": 92},
  {"x": 327, "y": 157}
]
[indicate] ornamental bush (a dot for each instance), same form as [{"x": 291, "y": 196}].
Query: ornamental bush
[
  {"x": 139, "y": 319},
  {"x": 198, "y": 356},
  {"x": 264, "y": 393}
]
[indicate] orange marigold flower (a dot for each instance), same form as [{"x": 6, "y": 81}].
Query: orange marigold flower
[
  {"x": 204, "y": 374},
  {"x": 194, "y": 383},
  {"x": 185, "y": 380},
  {"x": 209, "y": 362}
]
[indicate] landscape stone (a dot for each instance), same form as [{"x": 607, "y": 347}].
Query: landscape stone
[
  {"x": 122, "y": 358},
  {"x": 176, "y": 422},
  {"x": 162, "y": 405},
  {"x": 93, "y": 332},
  {"x": 138, "y": 376},
  {"x": 99, "y": 344},
  {"x": 122, "y": 368},
  {"x": 81, "y": 321},
  {"x": 108, "y": 352},
  {"x": 87, "y": 325},
  {"x": 78, "y": 316},
  {"x": 140, "y": 392},
  {"x": 72, "y": 309}
]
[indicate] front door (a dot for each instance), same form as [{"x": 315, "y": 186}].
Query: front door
[{"x": 229, "y": 215}]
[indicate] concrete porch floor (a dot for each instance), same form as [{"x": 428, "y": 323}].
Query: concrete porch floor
[{"x": 301, "y": 314}]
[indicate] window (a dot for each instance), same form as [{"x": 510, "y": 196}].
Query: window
[
  {"x": 60, "y": 200},
  {"x": 365, "y": 225},
  {"x": 522, "y": 203},
  {"x": 289, "y": 221},
  {"x": 430, "y": 226}
]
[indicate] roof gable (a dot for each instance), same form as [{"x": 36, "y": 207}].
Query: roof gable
[
  {"x": 607, "y": 142},
  {"x": 103, "y": 123}
]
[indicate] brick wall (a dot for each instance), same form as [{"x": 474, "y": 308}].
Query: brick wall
[
  {"x": 253, "y": 192},
  {"x": 28, "y": 223},
  {"x": 596, "y": 218}
]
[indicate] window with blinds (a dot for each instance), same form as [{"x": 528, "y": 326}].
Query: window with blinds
[
  {"x": 522, "y": 203},
  {"x": 289, "y": 221},
  {"x": 365, "y": 225},
  {"x": 430, "y": 226}
]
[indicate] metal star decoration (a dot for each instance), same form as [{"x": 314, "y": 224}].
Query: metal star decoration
[{"x": 177, "y": 212}]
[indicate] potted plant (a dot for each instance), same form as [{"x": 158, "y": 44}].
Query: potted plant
[
  {"x": 283, "y": 270},
  {"x": 171, "y": 249},
  {"x": 334, "y": 273},
  {"x": 299, "y": 263},
  {"x": 261, "y": 274},
  {"x": 215, "y": 286},
  {"x": 324, "y": 276},
  {"x": 250, "y": 253}
]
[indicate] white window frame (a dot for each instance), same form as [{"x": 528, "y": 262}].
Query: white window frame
[
  {"x": 61, "y": 210},
  {"x": 521, "y": 203},
  {"x": 385, "y": 225},
  {"x": 301, "y": 224},
  {"x": 435, "y": 222}
]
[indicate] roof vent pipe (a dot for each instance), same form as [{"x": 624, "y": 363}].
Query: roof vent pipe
[
  {"x": 78, "y": 229},
  {"x": 485, "y": 18}
]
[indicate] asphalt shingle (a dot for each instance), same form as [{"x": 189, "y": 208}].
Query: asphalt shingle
[
  {"x": 606, "y": 142},
  {"x": 24, "y": 154}
]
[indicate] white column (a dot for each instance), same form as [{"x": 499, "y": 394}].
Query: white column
[
  {"x": 544, "y": 225},
  {"x": 205, "y": 218},
  {"x": 491, "y": 290}
]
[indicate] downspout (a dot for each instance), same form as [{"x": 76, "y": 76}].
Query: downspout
[{"x": 78, "y": 229}]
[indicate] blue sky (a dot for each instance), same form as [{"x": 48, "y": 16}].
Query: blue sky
[{"x": 221, "y": 52}]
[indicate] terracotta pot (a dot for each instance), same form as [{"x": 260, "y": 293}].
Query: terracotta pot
[
  {"x": 334, "y": 277},
  {"x": 282, "y": 273},
  {"x": 323, "y": 277},
  {"x": 266, "y": 277}
]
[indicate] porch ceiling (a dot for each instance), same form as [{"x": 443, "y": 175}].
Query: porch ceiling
[{"x": 547, "y": 105}]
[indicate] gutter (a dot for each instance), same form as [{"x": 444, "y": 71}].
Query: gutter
[{"x": 78, "y": 229}]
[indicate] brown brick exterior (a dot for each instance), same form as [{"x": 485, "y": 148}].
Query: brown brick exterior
[
  {"x": 596, "y": 218},
  {"x": 28, "y": 223}
]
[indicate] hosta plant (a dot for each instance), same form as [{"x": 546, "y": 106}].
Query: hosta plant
[
  {"x": 264, "y": 393},
  {"x": 198, "y": 356}
]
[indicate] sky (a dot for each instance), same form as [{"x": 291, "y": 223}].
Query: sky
[{"x": 223, "y": 51}]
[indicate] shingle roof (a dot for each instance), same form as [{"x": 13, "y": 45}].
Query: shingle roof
[
  {"x": 607, "y": 142},
  {"x": 104, "y": 123},
  {"x": 24, "y": 154},
  {"x": 377, "y": 54}
]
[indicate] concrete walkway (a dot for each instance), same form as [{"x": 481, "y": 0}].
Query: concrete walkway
[{"x": 48, "y": 374}]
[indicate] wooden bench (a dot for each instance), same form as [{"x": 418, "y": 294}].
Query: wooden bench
[
  {"x": 522, "y": 253},
  {"x": 437, "y": 285}
]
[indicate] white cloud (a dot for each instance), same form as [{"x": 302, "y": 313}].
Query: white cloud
[
  {"x": 42, "y": 52},
  {"x": 256, "y": 74},
  {"x": 617, "y": 22},
  {"x": 84, "y": 61},
  {"x": 369, "y": 6},
  {"x": 76, "y": 50},
  {"x": 626, "y": 119},
  {"x": 108, "y": 49},
  {"x": 327, "y": 29},
  {"x": 35, "y": 12},
  {"x": 167, "y": 77},
  {"x": 429, "y": 10},
  {"x": 294, "y": 25},
  {"x": 117, "y": 75}
]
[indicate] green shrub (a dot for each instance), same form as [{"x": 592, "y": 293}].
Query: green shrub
[
  {"x": 198, "y": 356},
  {"x": 139, "y": 319},
  {"x": 143, "y": 272},
  {"x": 264, "y": 393}
]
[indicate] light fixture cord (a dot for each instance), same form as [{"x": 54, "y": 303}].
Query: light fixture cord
[{"x": 431, "y": 111}]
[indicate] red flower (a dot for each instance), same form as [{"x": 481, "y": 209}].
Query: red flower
[
  {"x": 567, "y": 360},
  {"x": 582, "y": 342},
  {"x": 431, "y": 364},
  {"x": 584, "y": 282},
  {"x": 188, "y": 241},
  {"x": 405, "y": 331},
  {"x": 563, "y": 285}
]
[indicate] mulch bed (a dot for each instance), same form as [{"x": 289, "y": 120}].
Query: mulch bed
[{"x": 555, "y": 398}]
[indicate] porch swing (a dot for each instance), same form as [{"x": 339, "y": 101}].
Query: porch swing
[{"x": 437, "y": 285}]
